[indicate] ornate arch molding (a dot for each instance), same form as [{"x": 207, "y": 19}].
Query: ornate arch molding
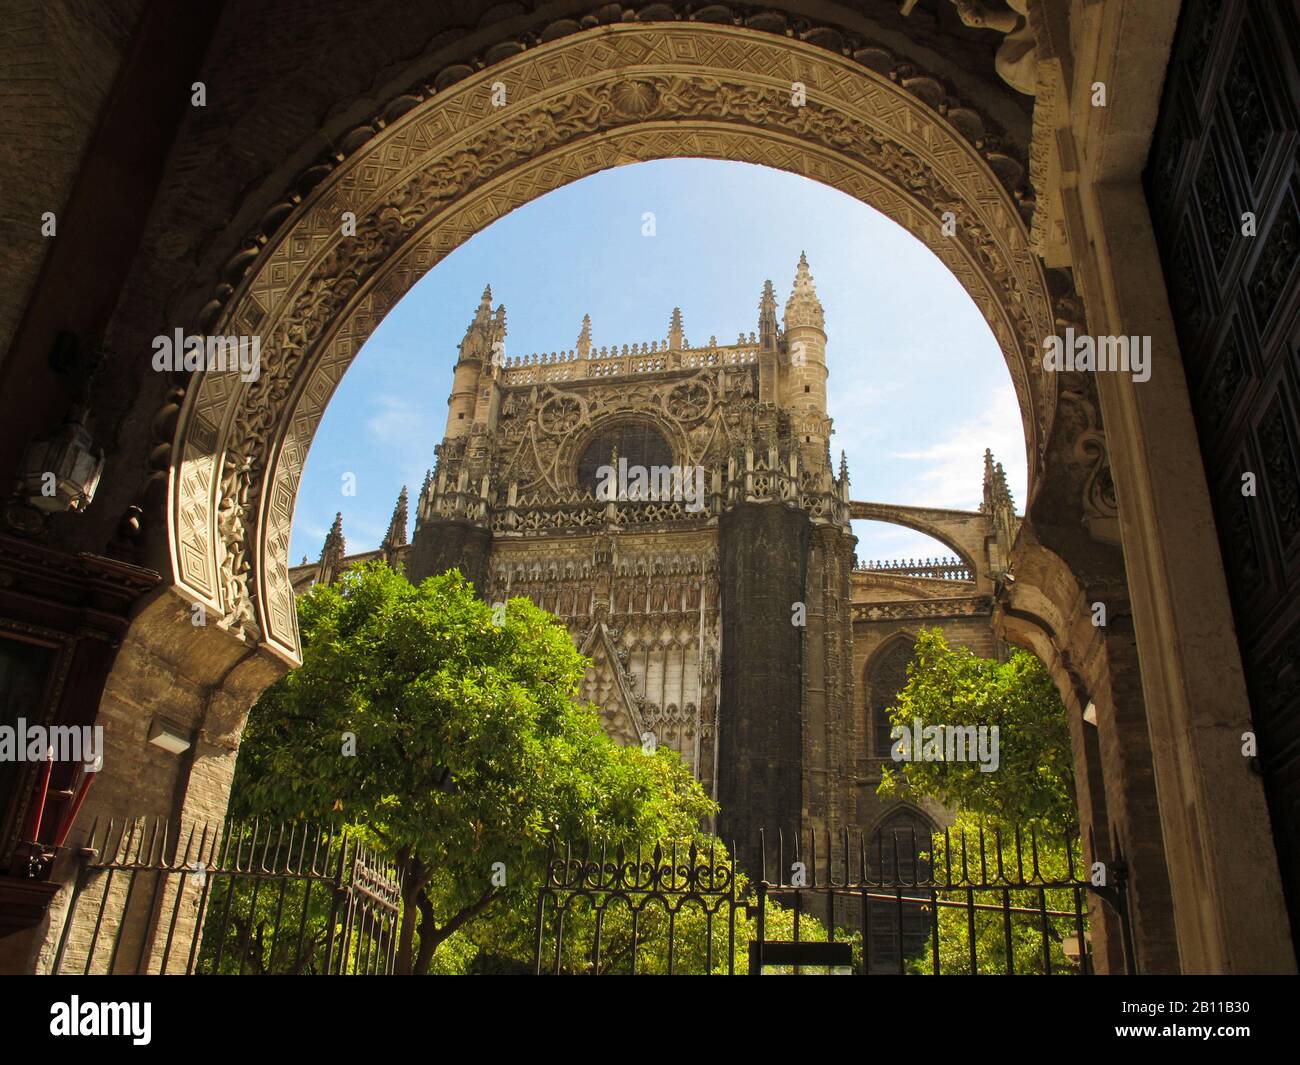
[{"x": 450, "y": 164}]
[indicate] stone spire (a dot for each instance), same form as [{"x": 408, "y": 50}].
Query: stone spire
[
  {"x": 423, "y": 499},
  {"x": 997, "y": 495},
  {"x": 396, "y": 535},
  {"x": 999, "y": 511},
  {"x": 499, "y": 328},
  {"x": 675, "y": 338},
  {"x": 803, "y": 307},
  {"x": 767, "y": 328},
  {"x": 478, "y": 337},
  {"x": 844, "y": 468},
  {"x": 480, "y": 353},
  {"x": 331, "y": 555},
  {"x": 584, "y": 338},
  {"x": 484, "y": 313}
]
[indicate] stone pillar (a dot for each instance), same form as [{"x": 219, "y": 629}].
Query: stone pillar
[
  {"x": 763, "y": 551},
  {"x": 1228, "y": 900},
  {"x": 201, "y": 681},
  {"x": 1229, "y": 910},
  {"x": 830, "y": 725}
]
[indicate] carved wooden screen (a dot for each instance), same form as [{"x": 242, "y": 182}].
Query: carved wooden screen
[{"x": 1223, "y": 163}]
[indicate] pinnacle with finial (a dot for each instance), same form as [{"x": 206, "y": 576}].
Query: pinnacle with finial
[
  {"x": 675, "y": 334},
  {"x": 484, "y": 312},
  {"x": 335, "y": 545},
  {"x": 396, "y": 535},
  {"x": 584, "y": 337}
]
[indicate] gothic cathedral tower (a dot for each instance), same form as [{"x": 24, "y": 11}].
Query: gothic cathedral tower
[{"x": 676, "y": 507}]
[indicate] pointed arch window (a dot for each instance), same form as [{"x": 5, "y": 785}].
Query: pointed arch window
[{"x": 886, "y": 677}]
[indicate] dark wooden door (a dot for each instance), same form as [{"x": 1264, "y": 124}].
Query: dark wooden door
[{"x": 1224, "y": 155}]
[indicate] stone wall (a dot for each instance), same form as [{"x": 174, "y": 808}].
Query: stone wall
[{"x": 763, "y": 551}]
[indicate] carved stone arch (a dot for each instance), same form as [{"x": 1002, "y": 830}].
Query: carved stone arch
[
  {"x": 447, "y": 163},
  {"x": 888, "y": 836},
  {"x": 924, "y": 520},
  {"x": 898, "y": 810}
]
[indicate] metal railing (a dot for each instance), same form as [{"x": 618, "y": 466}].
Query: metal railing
[
  {"x": 235, "y": 899},
  {"x": 983, "y": 902}
]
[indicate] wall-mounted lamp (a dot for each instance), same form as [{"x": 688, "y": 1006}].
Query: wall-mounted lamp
[
  {"x": 1090, "y": 713},
  {"x": 169, "y": 736},
  {"x": 62, "y": 472}
]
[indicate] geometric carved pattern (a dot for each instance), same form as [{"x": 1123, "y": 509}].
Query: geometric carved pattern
[{"x": 450, "y": 165}]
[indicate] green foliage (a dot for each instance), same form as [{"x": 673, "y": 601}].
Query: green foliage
[
  {"x": 470, "y": 749},
  {"x": 703, "y": 934},
  {"x": 1034, "y": 781},
  {"x": 1033, "y": 787}
]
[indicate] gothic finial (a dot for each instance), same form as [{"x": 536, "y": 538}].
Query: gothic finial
[
  {"x": 334, "y": 538},
  {"x": 997, "y": 493},
  {"x": 396, "y": 535},
  {"x": 331, "y": 555},
  {"x": 767, "y": 328},
  {"x": 483, "y": 314},
  {"x": 479, "y": 336},
  {"x": 675, "y": 330},
  {"x": 584, "y": 337},
  {"x": 844, "y": 467}
]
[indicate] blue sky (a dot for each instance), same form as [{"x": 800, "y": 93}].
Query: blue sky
[{"x": 917, "y": 388}]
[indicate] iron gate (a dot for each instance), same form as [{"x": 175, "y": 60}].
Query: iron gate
[
  {"x": 240, "y": 899},
  {"x": 1005, "y": 902}
]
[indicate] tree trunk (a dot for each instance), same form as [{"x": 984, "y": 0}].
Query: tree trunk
[
  {"x": 406, "y": 938},
  {"x": 429, "y": 937},
  {"x": 414, "y": 877}
]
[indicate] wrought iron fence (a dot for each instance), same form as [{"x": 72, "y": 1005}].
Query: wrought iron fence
[
  {"x": 256, "y": 898},
  {"x": 957, "y": 902},
  {"x": 236, "y": 899}
]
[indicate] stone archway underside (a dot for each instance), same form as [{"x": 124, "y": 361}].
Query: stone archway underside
[{"x": 452, "y": 164}]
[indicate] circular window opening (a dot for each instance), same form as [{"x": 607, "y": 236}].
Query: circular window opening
[{"x": 634, "y": 442}]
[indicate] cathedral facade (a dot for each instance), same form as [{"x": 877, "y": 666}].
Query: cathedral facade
[{"x": 675, "y": 506}]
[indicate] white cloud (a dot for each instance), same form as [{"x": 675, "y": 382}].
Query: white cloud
[
  {"x": 950, "y": 472},
  {"x": 398, "y": 423}
]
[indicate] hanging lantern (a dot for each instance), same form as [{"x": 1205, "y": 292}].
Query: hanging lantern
[{"x": 62, "y": 472}]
